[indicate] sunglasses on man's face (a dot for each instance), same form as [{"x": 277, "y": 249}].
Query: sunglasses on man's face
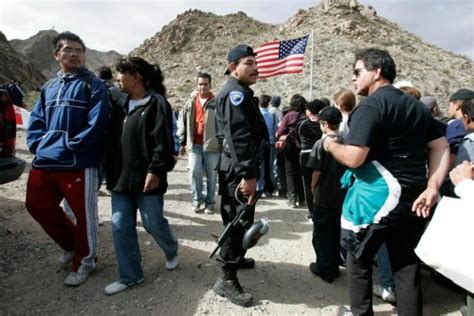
[{"x": 358, "y": 71}]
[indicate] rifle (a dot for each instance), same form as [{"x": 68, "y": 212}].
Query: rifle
[{"x": 231, "y": 226}]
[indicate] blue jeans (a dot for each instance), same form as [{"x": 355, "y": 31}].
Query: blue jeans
[
  {"x": 124, "y": 221},
  {"x": 384, "y": 267},
  {"x": 268, "y": 161},
  {"x": 197, "y": 161}
]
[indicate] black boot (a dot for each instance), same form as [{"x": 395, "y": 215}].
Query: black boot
[
  {"x": 232, "y": 290},
  {"x": 329, "y": 278}
]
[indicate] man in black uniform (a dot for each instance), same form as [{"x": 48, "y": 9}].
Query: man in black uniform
[{"x": 242, "y": 132}]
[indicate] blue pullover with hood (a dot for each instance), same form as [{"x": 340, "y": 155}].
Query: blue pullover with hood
[{"x": 68, "y": 123}]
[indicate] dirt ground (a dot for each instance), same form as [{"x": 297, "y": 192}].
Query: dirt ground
[{"x": 281, "y": 282}]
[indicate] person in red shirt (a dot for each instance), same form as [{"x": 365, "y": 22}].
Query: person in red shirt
[{"x": 197, "y": 135}]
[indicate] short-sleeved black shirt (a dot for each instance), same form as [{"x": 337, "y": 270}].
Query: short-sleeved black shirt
[
  {"x": 328, "y": 192},
  {"x": 397, "y": 128},
  {"x": 308, "y": 133}
]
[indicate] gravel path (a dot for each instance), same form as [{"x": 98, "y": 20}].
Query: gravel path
[{"x": 280, "y": 283}]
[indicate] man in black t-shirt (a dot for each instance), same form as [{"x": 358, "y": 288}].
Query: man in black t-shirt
[{"x": 392, "y": 138}]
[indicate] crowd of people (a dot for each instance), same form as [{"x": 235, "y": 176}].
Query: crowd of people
[{"x": 369, "y": 174}]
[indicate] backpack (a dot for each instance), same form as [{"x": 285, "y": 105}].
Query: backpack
[
  {"x": 15, "y": 93},
  {"x": 288, "y": 143}
]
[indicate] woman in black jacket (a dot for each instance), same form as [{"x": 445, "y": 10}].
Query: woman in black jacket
[{"x": 137, "y": 166}]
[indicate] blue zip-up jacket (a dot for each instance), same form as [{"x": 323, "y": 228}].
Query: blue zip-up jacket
[{"x": 68, "y": 122}]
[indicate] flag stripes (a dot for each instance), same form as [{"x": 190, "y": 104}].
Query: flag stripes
[{"x": 281, "y": 57}]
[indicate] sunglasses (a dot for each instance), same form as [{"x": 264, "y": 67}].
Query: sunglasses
[{"x": 358, "y": 71}]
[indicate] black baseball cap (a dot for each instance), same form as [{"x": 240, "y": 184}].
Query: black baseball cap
[
  {"x": 331, "y": 115},
  {"x": 462, "y": 94},
  {"x": 239, "y": 51}
]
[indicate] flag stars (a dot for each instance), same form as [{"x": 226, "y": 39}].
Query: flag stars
[{"x": 294, "y": 46}]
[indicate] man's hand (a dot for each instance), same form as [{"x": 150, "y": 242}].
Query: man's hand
[
  {"x": 182, "y": 150},
  {"x": 248, "y": 187},
  {"x": 151, "y": 182},
  {"x": 462, "y": 172},
  {"x": 425, "y": 202}
]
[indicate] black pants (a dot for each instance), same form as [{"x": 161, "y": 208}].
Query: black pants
[
  {"x": 269, "y": 186},
  {"x": 294, "y": 180},
  {"x": 326, "y": 239},
  {"x": 231, "y": 251},
  {"x": 307, "y": 177},
  {"x": 401, "y": 241},
  {"x": 281, "y": 172}
]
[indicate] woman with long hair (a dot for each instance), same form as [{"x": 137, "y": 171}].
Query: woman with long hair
[{"x": 137, "y": 166}]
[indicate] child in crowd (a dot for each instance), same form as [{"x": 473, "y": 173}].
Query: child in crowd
[{"x": 328, "y": 199}]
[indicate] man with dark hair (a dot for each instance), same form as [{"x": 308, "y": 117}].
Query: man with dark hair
[
  {"x": 455, "y": 130},
  {"x": 68, "y": 37},
  {"x": 197, "y": 135},
  {"x": 275, "y": 107},
  {"x": 104, "y": 73},
  {"x": 65, "y": 131},
  {"x": 466, "y": 146},
  {"x": 392, "y": 139},
  {"x": 116, "y": 100},
  {"x": 377, "y": 59},
  {"x": 242, "y": 131}
]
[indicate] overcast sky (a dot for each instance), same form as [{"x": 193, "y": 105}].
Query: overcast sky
[{"x": 122, "y": 25}]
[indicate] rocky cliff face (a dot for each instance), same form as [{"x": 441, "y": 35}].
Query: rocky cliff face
[
  {"x": 198, "y": 41},
  {"x": 39, "y": 50},
  {"x": 14, "y": 66}
]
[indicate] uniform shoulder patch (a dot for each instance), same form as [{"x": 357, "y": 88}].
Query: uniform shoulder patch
[{"x": 236, "y": 98}]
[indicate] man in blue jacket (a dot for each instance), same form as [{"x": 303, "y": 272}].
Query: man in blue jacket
[{"x": 65, "y": 131}]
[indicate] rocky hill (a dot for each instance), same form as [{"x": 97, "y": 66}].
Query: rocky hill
[
  {"x": 197, "y": 41},
  {"x": 38, "y": 49},
  {"x": 14, "y": 66}
]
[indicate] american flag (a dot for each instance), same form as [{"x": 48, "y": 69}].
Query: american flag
[{"x": 281, "y": 57}]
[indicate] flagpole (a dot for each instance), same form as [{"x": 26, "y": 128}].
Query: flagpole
[{"x": 311, "y": 69}]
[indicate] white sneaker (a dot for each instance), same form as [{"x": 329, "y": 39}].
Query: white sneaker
[
  {"x": 64, "y": 259},
  {"x": 343, "y": 311},
  {"x": 389, "y": 295},
  {"x": 76, "y": 278},
  {"x": 386, "y": 294},
  {"x": 172, "y": 263},
  {"x": 117, "y": 287},
  {"x": 209, "y": 210}
]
